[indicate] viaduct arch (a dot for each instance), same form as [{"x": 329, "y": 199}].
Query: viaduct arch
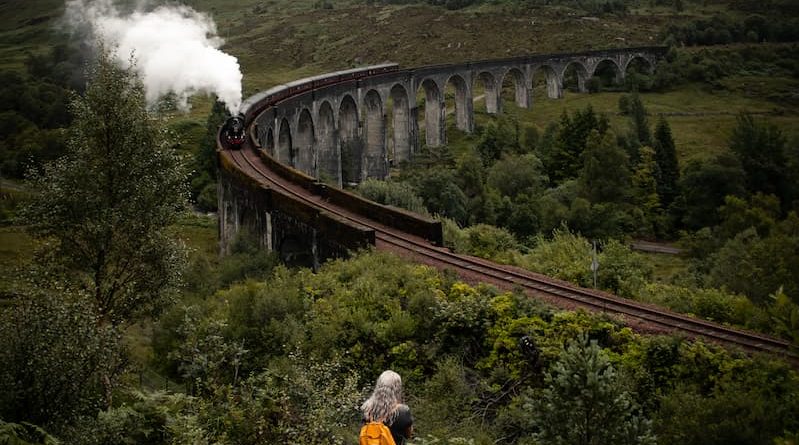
[{"x": 355, "y": 129}]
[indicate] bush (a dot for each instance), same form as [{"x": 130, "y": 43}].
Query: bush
[
  {"x": 57, "y": 363},
  {"x": 398, "y": 194},
  {"x": 586, "y": 402}
]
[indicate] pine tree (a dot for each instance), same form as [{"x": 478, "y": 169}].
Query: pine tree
[
  {"x": 105, "y": 208},
  {"x": 761, "y": 149},
  {"x": 645, "y": 188},
  {"x": 585, "y": 402},
  {"x": 639, "y": 122},
  {"x": 666, "y": 159},
  {"x": 605, "y": 176},
  {"x": 570, "y": 142}
]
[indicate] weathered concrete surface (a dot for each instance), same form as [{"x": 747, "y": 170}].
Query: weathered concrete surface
[
  {"x": 348, "y": 131},
  {"x": 301, "y": 234}
]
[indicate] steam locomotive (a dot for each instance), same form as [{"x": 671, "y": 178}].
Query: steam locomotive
[{"x": 233, "y": 132}]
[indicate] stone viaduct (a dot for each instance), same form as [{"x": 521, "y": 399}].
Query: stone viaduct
[
  {"x": 348, "y": 131},
  {"x": 342, "y": 127}
]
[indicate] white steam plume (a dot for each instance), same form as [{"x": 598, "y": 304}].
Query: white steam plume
[{"x": 176, "y": 49}]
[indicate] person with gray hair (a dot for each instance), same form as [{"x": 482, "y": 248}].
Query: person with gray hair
[{"x": 385, "y": 405}]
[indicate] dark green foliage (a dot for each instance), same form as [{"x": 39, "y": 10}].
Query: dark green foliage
[
  {"x": 203, "y": 181},
  {"x": 205, "y": 358},
  {"x": 594, "y": 84},
  {"x": 106, "y": 205},
  {"x": 516, "y": 175},
  {"x": 398, "y": 194},
  {"x": 760, "y": 212},
  {"x": 24, "y": 434},
  {"x": 784, "y": 317},
  {"x": 441, "y": 194},
  {"x": 313, "y": 339},
  {"x": 482, "y": 202},
  {"x": 520, "y": 214},
  {"x": 641, "y": 135},
  {"x": 448, "y": 395},
  {"x": 725, "y": 29},
  {"x": 704, "y": 184},
  {"x": 761, "y": 149},
  {"x": 33, "y": 107},
  {"x": 757, "y": 266},
  {"x": 668, "y": 174},
  {"x": 140, "y": 420},
  {"x": 568, "y": 256},
  {"x": 605, "y": 175},
  {"x": 486, "y": 241},
  {"x": 498, "y": 137},
  {"x": 563, "y": 159},
  {"x": 267, "y": 319},
  {"x": 532, "y": 139},
  {"x": 648, "y": 211},
  {"x": 297, "y": 400},
  {"x": 701, "y": 394},
  {"x": 56, "y": 362},
  {"x": 749, "y": 252},
  {"x": 585, "y": 402},
  {"x": 739, "y": 411},
  {"x": 709, "y": 65}
]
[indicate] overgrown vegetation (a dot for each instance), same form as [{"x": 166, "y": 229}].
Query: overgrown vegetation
[
  {"x": 261, "y": 354},
  {"x": 531, "y": 199},
  {"x": 290, "y": 357}
]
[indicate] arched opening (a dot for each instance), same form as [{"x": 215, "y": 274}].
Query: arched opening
[
  {"x": 269, "y": 142},
  {"x": 375, "y": 135},
  {"x": 545, "y": 80},
  {"x": 638, "y": 74},
  {"x": 575, "y": 79},
  {"x": 458, "y": 100},
  {"x": 305, "y": 143},
  {"x": 608, "y": 75},
  {"x": 433, "y": 115},
  {"x": 640, "y": 65},
  {"x": 327, "y": 154},
  {"x": 486, "y": 85},
  {"x": 401, "y": 120},
  {"x": 351, "y": 143},
  {"x": 514, "y": 90},
  {"x": 285, "y": 151}
]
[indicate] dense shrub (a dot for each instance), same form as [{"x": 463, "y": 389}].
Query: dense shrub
[
  {"x": 397, "y": 194},
  {"x": 57, "y": 363}
]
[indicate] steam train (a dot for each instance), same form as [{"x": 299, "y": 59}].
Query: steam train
[{"x": 233, "y": 132}]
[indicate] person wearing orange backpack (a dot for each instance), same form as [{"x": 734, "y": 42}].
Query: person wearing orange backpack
[{"x": 386, "y": 420}]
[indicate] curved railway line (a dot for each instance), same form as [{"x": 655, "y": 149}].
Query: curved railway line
[{"x": 641, "y": 316}]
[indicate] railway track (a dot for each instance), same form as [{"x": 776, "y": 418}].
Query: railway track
[{"x": 471, "y": 269}]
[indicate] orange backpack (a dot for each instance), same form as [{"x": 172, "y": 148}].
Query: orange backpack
[{"x": 376, "y": 433}]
